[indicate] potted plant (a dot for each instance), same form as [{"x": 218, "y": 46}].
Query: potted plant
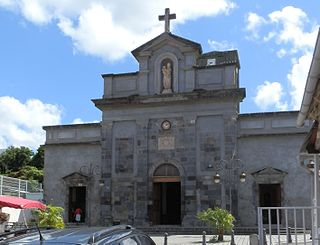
[{"x": 219, "y": 219}]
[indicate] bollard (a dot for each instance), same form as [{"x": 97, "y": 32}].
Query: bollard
[
  {"x": 204, "y": 238},
  {"x": 232, "y": 238},
  {"x": 289, "y": 238},
  {"x": 254, "y": 239},
  {"x": 265, "y": 236},
  {"x": 166, "y": 238}
]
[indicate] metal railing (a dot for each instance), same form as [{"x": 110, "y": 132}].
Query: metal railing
[
  {"x": 277, "y": 225},
  {"x": 17, "y": 187}
]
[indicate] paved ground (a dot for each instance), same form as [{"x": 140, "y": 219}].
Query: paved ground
[
  {"x": 197, "y": 239},
  {"x": 239, "y": 239}
]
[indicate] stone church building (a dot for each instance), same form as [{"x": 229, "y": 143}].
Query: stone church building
[{"x": 169, "y": 132}]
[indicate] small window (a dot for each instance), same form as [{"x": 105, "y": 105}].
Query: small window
[{"x": 211, "y": 62}]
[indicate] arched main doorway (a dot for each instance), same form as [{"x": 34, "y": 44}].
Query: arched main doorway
[{"x": 166, "y": 196}]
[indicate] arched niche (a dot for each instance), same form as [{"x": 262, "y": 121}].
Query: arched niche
[{"x": 164, "y": 59}]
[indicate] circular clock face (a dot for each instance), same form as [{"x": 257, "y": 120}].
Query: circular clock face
[{"x": 166, "y": 125}]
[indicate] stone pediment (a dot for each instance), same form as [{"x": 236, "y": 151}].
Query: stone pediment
[
  {"x": 269, "y": 175},
  {"x": 76, "y": 179},
  {"x": 165, "y": 38}
]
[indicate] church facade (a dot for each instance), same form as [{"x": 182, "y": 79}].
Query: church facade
[{"x": 167, "y": 133}]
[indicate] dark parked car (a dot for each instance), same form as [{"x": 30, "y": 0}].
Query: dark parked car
[{"x": 115, "y": 235}]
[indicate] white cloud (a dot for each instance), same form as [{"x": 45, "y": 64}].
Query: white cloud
[
  {"x": 281, "y": 53},
  {"x": 269, "y": 95},
  {"x": 191, "y": 10},
  {"x": 80, "y": 121},
  {"x": 105, "y": 28},
  {"x": 21, "y": 123},
  {"x": 34, "y": 12},
  {"x": 297, "y": 78},
  {"x": 220, "y": 46},
  {"x": 77, "y": 121},
  {"x": 253, "y": 24},
  {"x": 288, "y": 28},
  {"x": 290, "y": 22},
  {"x": 97, "y": 34},
  {"x": 9, "y": 4},
  {"x": 295, "y": 36}
]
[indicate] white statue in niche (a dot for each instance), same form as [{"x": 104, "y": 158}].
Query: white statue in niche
[{"x": 166, "y": 81}]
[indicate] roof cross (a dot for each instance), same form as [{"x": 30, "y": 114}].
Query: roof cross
[{"x": 167, "y": 17}]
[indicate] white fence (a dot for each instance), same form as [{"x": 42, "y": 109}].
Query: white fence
[
  {"x": 284, "y": 225},
  {"x": 17, "y": 187}
]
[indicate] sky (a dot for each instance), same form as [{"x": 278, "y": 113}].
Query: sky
[{"x": 52, "y": 53}]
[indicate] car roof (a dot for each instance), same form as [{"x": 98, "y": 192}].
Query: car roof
[{"x": 81, "y": 235}]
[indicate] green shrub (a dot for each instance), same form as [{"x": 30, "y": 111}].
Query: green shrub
[
  {"x": 219, "y": 219},
  {"x": 50, "y": 217}
]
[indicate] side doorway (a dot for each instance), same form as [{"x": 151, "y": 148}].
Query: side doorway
[
  {"x": 77, "y": 200},
  {"x": 270, "y": 196}
]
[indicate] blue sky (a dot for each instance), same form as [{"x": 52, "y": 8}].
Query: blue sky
[{"x": 52, "y": 53}]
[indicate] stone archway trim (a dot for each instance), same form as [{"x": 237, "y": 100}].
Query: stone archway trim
[
  {"x": 160, "y": 162},
  {"x": 166, "y": 179}
]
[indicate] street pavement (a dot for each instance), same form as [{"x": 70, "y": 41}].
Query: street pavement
[
  {"x": 197, "y": 239},
  {"x": 239, "y": 239}
]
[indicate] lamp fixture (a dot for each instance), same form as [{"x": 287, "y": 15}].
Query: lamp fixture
[
  {"x": 216, "y": 178},
  {"x": 310, "y": 165},
  {"x": 243, "y": 177},
  {"x": 101, "y": 182},
  {"x": 229, "y": 170}
]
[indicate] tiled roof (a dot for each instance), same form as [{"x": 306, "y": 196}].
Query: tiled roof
[{"x": 219, "y": 58}]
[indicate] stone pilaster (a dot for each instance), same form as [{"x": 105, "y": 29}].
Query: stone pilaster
[
  {"x": 142, "y": 178},
  {"x": 106, "y": 162}
]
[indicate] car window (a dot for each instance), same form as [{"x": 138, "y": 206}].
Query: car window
[
  {"x": 129, "y": 241},
  {"x": 113, "y": 239},
  {"x": 144, "y": 240}
]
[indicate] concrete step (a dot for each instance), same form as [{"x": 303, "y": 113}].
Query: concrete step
[
  {"x": 72, "y": 225},
  {"x": 179, "y": 230}
]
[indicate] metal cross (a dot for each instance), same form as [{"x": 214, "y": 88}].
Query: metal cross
[{"x": 167, "y": 17}]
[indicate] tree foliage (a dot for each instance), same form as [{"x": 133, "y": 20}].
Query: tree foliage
[
  {"x": 219, "y": 219},
  {"x": 50, "y": 217},
  {"x": 28, "y": 173},
  {"x": 38, "y": 158},
  {"x": 21, "y": 162},
  {"x": 14, "y": 158}
]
